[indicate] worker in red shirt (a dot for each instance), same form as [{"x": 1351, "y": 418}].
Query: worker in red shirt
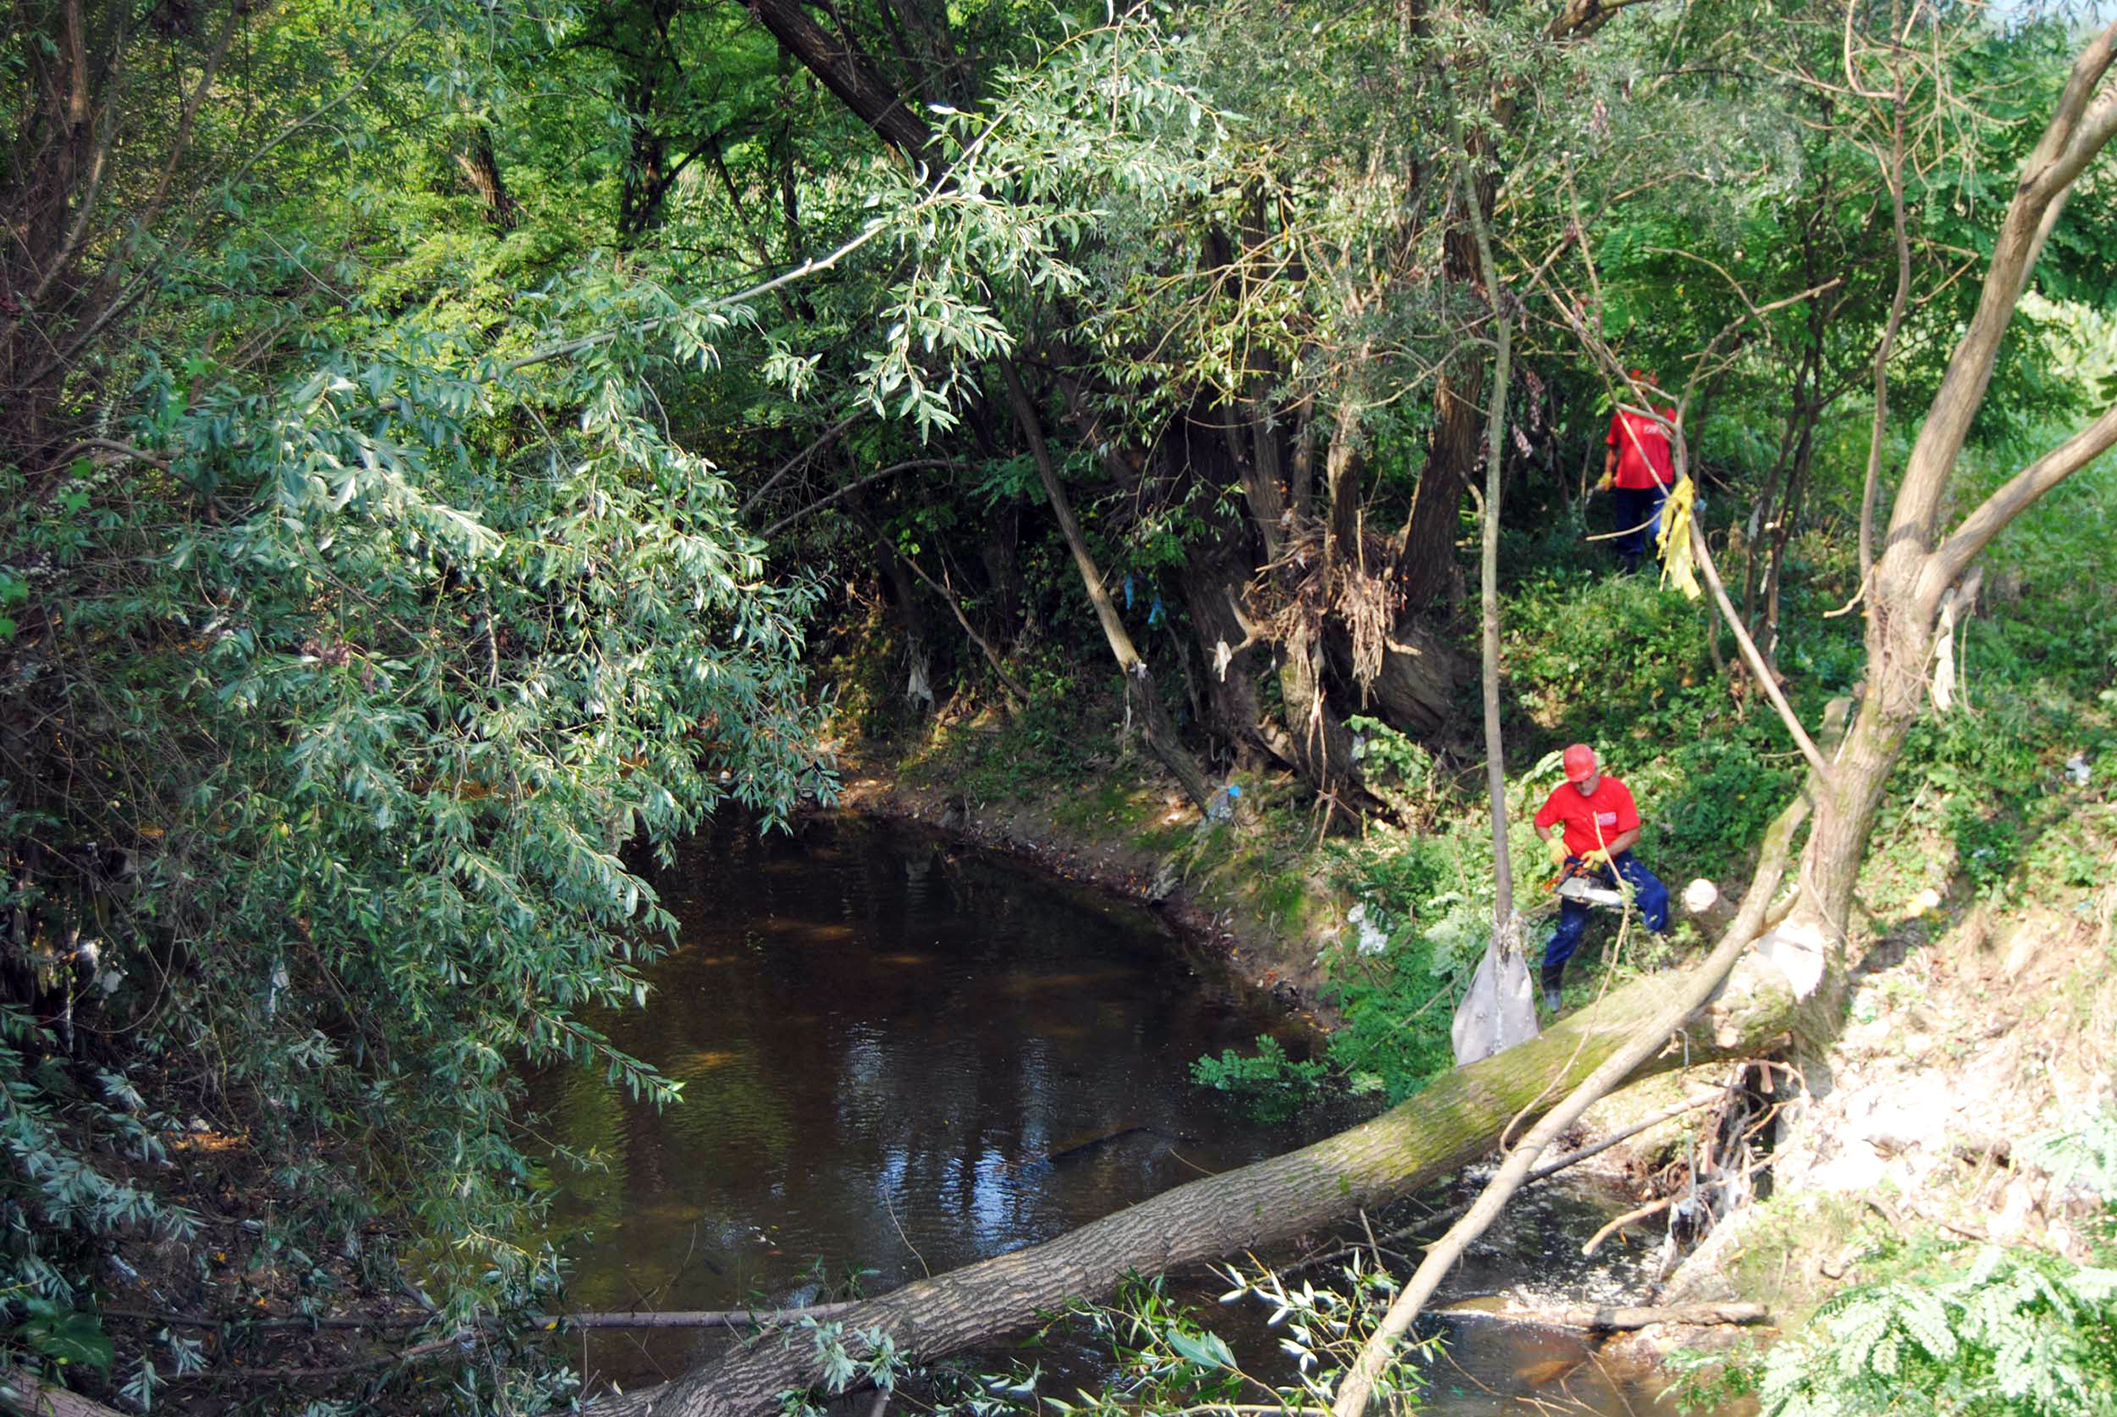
[
  {"x": 1596, "y": 824},
  {"x": 1637, "y": 464}
]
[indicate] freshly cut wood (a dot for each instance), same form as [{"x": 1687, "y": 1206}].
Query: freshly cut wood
[
  {"x": 1603, "y": 1318},
  {"x": 1454, "y": 1121}
]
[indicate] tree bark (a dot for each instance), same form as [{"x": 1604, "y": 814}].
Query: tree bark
[
  {"x": 480, "y": 166},
  {"x": 1323, "y": 748},
  {"x": 1211, "y": 578},
  {"x": 1426, "y": 563},
  {"x": 1454, "y": 1121},
  {"x": 22, "y": 1390},
  {"x": 1417, "y": 686},
  {"x": 1506, "y": 925},
  {"x": 849, "y": 74}
]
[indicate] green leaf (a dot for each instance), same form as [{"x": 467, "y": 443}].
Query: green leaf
[
  {"x": 67, "y": 1335},
  {"x": 1207, "y": 1350}
]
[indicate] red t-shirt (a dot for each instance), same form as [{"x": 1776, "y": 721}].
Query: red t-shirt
[
  {"x": 1594, "y": 820},
  {"x": 1642, "y": 449}
]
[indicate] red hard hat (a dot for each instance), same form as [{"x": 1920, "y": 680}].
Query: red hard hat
[{"x": 1580, "y": 763}]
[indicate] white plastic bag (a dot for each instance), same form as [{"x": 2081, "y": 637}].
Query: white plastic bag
[{"x": 1499, "y": 1011}]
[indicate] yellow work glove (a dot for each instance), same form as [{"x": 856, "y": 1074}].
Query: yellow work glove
[
  {"x": 1606, "y": 482},
  {"x": 1597, "y": 857},
  {"x": 1556, "y": 845}
]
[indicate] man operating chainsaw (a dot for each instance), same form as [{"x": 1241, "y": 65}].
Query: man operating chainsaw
[{"x": 1589, "y": 824}]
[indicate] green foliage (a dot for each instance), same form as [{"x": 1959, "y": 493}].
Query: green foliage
[
  {"x": 345, "y": 704},
  {"x": 1426, "y": 900},
  {"x": 1166, "y": 1360},
  {"x": 1272, "y": 1085},
  {"x": 2083, "y": 1154},
  {"x": 2018, "y": 1331},
  {"x": 1394, "y": 767},
  {"x": 66, "y": 1191},
  {"x": 1395, "y": 1036},
  {"x": 1706, "y": 1382},
  {"x": 878, "y": 1365}
]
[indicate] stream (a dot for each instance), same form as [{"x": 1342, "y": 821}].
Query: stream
[{"x": 899, "y": 1055}]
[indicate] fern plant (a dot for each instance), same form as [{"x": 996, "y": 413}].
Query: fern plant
[{"x": 2020, "y": 1331}]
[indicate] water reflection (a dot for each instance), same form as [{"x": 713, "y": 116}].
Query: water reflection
[
  {"x": 898, "y": 1058},
  {"x": 891, "y": 1054}
]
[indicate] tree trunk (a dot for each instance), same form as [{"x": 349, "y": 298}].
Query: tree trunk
[
  {"x": 1323, "y": 749},
  {"x": 1454, "y": 1121},
  {"x": 1230, "y": 442},
  {"x": 1141, "y": 695},
  {"x": 1918, "y": 564},
  {"x": 849, "y": 74},
  {"x": 480, "y": 166},
  {"x": 1417, "y": 686},
  {"x": 32, "y": 1395},
  {"x": 1211, "y": 577},
  {"x": 1426, "y": 561},
  {"x": 1000, "y": 551}
]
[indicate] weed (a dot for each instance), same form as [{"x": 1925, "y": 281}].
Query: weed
[{"x": 1271, "y": 1084}]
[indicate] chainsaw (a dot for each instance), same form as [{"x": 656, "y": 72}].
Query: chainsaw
[{"x": 1577, "y": 883}]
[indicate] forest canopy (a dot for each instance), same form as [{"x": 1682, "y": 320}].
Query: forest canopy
[{"x": 438, "y": 438}]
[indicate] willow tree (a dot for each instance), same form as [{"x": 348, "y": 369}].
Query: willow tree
[{"x": 353, "y": 616}]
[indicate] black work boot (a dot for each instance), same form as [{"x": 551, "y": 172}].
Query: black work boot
[{"x": 1553, "y": 976}]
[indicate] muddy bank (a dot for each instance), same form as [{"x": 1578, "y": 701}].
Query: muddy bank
[{"x": 1157, "y": 869}]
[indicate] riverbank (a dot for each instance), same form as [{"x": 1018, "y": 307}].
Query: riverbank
[
  {"x": 1237, "y": 889},
  {"x": 1979, "y": 1027}
]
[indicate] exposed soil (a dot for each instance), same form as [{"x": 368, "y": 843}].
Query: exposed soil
[{"x": 1965, "y": 1040}]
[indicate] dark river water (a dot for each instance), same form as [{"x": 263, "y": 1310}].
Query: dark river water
[{"x": 899, "y": 1056}]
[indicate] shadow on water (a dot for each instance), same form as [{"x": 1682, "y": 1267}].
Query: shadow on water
[{"x": 898, "y": 1057}]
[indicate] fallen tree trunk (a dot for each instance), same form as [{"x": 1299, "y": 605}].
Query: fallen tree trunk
[{"x": 1454, "y": 1121}]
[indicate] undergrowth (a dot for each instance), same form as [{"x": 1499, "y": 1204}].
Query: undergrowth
[{"x": 1985, "y": 1330}]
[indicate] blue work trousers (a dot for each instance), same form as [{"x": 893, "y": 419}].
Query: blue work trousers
[
  {"x": 1638, "y": 521},
  {"x": 1649, "y": 896}
]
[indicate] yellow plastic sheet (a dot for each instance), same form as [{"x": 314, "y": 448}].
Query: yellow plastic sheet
[{"x": 1678, "y": 568}]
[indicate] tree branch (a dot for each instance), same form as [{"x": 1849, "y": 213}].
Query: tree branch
[
  {"x": 851, "y": 487},
  {"x": 2019, "y": 493},
  {"x": 1754, "y": 660},
  {"x": 2079, "y": 127}
]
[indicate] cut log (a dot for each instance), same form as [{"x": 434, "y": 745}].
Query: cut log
[
  {"x": 1454, "y": 1121},
  {"x": 1603, "y": 1318}
]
